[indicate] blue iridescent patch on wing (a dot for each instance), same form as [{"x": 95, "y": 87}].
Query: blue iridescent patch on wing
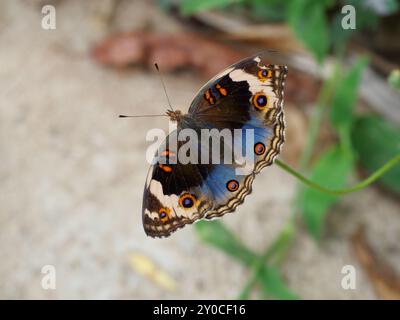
[{"x": 217, "y": 178}]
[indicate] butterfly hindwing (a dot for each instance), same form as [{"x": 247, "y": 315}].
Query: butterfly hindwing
[{"x": 173, "y": 194}]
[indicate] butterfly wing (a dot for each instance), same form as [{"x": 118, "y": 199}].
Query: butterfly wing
[
  {"x": 247, "y": 95},
  {"x": 177, "y": 194},
  {"x": 172, "y": 194}
]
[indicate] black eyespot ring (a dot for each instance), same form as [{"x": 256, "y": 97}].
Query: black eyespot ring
[
  {"x": 232, "y": 185},
  {"x": 259, "y": 148},
  {"x": 187, "y": 200},
  {"x": 163, "y": 214},
  {"x": 260, "y": 101},
  {"x": 264, "y": 74}
]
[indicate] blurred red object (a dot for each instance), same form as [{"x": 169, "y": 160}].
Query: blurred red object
[{"x": 172, "y": 52}]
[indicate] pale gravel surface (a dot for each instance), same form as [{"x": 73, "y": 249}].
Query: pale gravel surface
[{"x": 72, "y": 177}]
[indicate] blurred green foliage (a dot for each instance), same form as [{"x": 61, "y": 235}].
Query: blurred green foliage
[
  {"x": 272, "y": 10},
  {"x": 189, "y": 7},
  {"x": 375, "y": 141},
  {"x": 394, "y": 79},
  {"x": 334, "y": 166},
  {"x": 216, "y": 234},
  {"x": 344, "y": 99},
  {"x": 312, "y": 31},
  {"x": 273, "y": 285},
  {"x": 316, "y": 23},
  {"x": 331, "y": 170},
  {"x": 371, "y": 140}
]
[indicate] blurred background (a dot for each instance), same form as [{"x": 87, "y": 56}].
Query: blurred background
[{"x": 72, "y": 173}]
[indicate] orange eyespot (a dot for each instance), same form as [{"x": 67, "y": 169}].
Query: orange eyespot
[
  {"x": 259, "y": 148},
  {"x": 187, "y": 200},
  {"x": 167, "y": 153},
  {"x": 221, "y": 90},
  {"x": 163, "y": 213},
  {"x": 264, "y": 74},
  {"x": 165, "y": 168},
  {"x": 209, "y": 97},
  {"x": 260, "y": 100},
  {"x": 232, "y": 185}
]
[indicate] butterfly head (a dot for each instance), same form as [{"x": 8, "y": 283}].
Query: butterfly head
[{"x": 175, "y": 115}]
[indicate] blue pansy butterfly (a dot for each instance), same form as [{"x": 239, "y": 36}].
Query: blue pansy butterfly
[{"x": 246, "y": 95}]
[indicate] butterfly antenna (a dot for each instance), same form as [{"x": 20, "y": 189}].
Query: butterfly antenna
[
  {"x": 142, "y": 116},
  {"x": 169, "y": 111},
  {"x": 163, "y": 84}
]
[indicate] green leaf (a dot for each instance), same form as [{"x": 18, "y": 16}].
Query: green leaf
[
  {"x": 273, "y": 285},
  {"x": 268, "y": 10},
  {"x": 216, "y": 234},
  {"x": 331, "y": 170},
  {"x": 189, "y": 7},
  {"x": 345, "y": 96},
  {"x": 376, "y": 141},
  {"x": 308, "y": 20}
]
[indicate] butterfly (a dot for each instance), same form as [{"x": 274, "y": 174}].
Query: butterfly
[{"x": 246, "y": 95}]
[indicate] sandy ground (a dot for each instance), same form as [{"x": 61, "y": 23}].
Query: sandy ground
[{"x": 72, "y": 177}]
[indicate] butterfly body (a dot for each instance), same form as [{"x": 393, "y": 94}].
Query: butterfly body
[{"x": 247, "y": 96}]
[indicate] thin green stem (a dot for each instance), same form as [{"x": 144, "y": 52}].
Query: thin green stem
[{"x": 361, "y": 185}]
